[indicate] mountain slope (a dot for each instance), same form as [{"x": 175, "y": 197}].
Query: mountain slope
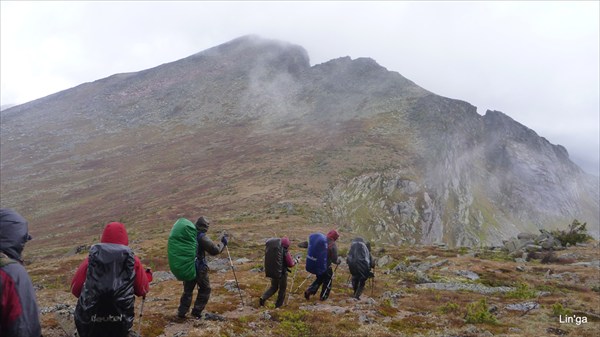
[{"x": 248, "y": 128}]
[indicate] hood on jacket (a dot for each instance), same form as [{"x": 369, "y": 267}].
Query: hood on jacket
[
  {"x": 13, "y": 233},
  {"x": 333, "y": 235},
  {"x": 115, "y": 232}
]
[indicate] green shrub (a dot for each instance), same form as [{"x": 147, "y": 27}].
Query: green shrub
[
  {"x": 477, "y": 312},
  {"x": 522, "y": 292},
  {"x": 448, "y": 308},
  {"x": 576, "y": 233},
  {"x": 559, "y": 310},
  {"x": 292, "y": 324}
]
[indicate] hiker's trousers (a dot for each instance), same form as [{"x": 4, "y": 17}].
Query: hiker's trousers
[
  {"x": 358, "y": 284},
  {"x": 277, "y": 284},
  {"x": 325, "y": 280},
  {"x": 188, "y": 291}
]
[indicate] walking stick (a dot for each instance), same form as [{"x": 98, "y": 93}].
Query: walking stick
[
  {"x": 307, "y": 277},
  {"x": 373, "y": 282},
  {"x": 236, "y": 281},
  {"x": 331, "y": 281},
  {"x": 292, "y": 287},
  {"x": 141, "y": 313}
]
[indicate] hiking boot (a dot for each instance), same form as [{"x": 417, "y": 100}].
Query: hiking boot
[
  {"x": 196, "y": 314},
  {"x": 261, "y": 302},
  {"x": 180, "y": 316},
  {"x": 307, "y": 294}
]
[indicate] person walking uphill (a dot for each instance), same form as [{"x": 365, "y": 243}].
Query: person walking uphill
[
  {"x": 325, "y": 279},
  {"x": 277, "y": 262},
  {"x": 105, "y": 283},
  {"x": 19, "y": 315},
  {"x": 205, "y": 245},
  {"x": 360, "y": 262}
]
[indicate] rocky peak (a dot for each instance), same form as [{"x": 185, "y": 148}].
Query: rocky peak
[{"x": 253, "y": 49}]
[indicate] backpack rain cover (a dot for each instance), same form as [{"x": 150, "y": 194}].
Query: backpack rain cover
[
  {"x": 181, "y": 250},
  {"x": 359, "y": 258},
  {"x": 106, "y": 304},
  {"x": 273, "y": 258},
  {"x": 316, "y": 258}
]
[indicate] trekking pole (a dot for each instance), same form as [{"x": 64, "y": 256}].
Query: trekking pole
[
  {"x": 141, "y": 313},
  {"x": 373, "y": 282},
  {"x": 236, "y": 281},
  {"x": 331, "y": 280},
  {"x": 302, "y": 283},
  {"x": 292, "y": 287}
]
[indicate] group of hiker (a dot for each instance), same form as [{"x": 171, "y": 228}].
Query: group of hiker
[{"x": 110, "y": 277}]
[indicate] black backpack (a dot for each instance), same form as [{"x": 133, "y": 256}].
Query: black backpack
[
  {"x": 273, "y": 258},
  {"x": 359, "y": 258},
  {"x": 106, "y": 305}
]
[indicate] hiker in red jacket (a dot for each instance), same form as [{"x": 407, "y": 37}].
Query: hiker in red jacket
[
  {"x": 281, "y": 282},
  {"x": 115, "y": 232},
  {"x": 106, "y": 283},
  {"x": 19, "y": 314}
]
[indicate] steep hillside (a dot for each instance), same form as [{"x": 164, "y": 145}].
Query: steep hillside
[{"x": 248, "y": 127}]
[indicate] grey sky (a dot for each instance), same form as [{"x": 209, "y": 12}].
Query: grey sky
[{"x": 537, "y": 62}]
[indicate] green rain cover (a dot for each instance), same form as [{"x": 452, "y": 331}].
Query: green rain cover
[{"x": 181, "y": 250}]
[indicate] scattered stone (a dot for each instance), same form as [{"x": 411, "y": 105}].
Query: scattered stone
[
  {"x": 595, "y": 264},
  {"x": 514, "y": 330},
  {"x": 265, "y": 316},
  {"x": 231, "y": 286},
  {"x": 413, "y": 259},
  {"x": 161, "y": 276},
  {"x": 58, "y": 307},
  {"x": 431, "y": 257},
  {"x": 525, "y": 306},
  {"x": 526, "y": 236},
  {"x": 219, "y": 264},
  {"x": 257, "y": 270},
  {"x": 468, "y": 274},
  {"x": 533, "y": 248},
  {"x": 213, "y": 317},
  {"x": 384, "y": 260},
  {"x": 478, "y": 288},
  {"x": 364, "y": 319},
  {"x": 557, "y": 331},
  {"x": 566, "y": 276},
  {"x": 242, "y": 260},
  {"x": 421, "y": 277},
  {"x": 520, "y": 268}
]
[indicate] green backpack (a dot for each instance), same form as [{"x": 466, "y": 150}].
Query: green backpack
[{"x": 181, "y": 250}]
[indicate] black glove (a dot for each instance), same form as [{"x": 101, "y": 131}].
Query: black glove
[{"x": 224, "y": 240}]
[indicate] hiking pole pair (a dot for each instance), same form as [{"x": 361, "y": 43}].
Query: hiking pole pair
[{"x": 236, "y": 281}]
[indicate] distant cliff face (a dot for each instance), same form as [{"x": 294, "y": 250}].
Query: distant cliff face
[{"x": 248, "y": 125}]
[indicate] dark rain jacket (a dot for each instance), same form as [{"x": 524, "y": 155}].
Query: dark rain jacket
[
  {"x": 19, "y": 316},
  {"x": 205, "y": 245}
]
